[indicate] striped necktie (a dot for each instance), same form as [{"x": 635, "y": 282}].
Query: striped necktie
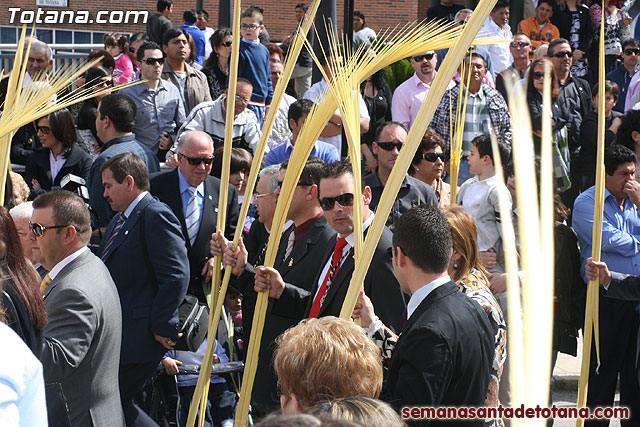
[
  {"x": 45, "y": 283},
  {"x": 119, "y": 223},
  {"x": 192, "y": 215}
]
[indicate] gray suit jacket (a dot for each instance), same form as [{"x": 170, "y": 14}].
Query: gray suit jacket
[{"x": 82, "y": 341}]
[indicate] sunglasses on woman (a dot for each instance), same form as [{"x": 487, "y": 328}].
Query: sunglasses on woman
[{"x": 432, "y": 157}]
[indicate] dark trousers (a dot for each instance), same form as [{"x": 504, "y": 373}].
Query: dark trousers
[
  {"x": 619, "y": 322},
  {"x": 133, "y": 380},
  {"x": 221, "y": 405}
]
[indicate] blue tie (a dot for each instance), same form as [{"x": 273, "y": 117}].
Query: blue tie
[
  {"x": 192, "y": 215},
  {"x": 119, "y": 223}
]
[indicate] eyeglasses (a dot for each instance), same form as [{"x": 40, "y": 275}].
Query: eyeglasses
[
  {"x": 537, "y": 75},
  {"x": 226, "y": 44},
  {"x": 242, "y": 99},
  {"x": 195, "y": 161},
  {"x": 519, "y": 44},
  {"x": 432, "y": 157},
  {"x": 300, "y": 184},
  {"x": 344, "y": 200},
  {"x": 427, "y": 56},
  {"x": 632, "y": 51},
  {"x": 566, "y": 53},
  {"x": 249, "y": 26},
  {"x": 39, "y": 229},
  {"x": 44, "y": 129},
  {"x": 132, "y": 49},
  {"x": 388, "y": 146},
  {"x": 152, "y": 61},
  {"x": 258, "y": 196}
]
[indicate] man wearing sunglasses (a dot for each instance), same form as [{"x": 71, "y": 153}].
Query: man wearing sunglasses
[
  {"x": 82, "y": 338},
  {"x": 409, "y": 96},
  {"x": 625, "y": 72},
  {"x": 520, "y": 49},
  {"x": 386, "y": 148},
  {"x": 114, "y": 125},
  {"x": 331, "y": 280},
  {"x": 197, "y": 212},
  {"x": 144, "y": 250},
  {"x": 160, "y": 111},
  {"x": 210, "y": 117}
]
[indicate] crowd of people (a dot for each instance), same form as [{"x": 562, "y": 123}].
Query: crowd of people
[{"x": 97, "y": 288}]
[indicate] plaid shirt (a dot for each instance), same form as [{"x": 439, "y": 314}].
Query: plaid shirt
[{"x": 486, "y": 108}]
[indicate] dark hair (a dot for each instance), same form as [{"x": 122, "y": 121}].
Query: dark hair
[
  {"x": 138, "y": 37},
  {"x": 337, "y": 169},
  {"x": 128, "y": 164},
  {"x": 549, "y": 2},
  {"x": 500, "y": 4},
  {"x": 378, "y": 79},
  {"x": 274, "y": 49},
  {"x": 478, "y": 55},
  {"x": 107, "y": 59},
  {"x": 24, "y": 277},
  {"x": 311, "y": 172},
  {"x": 216, "y": 41},
  {"x": 609, "y": 86},
  {"x": 189, "y": 16},
  {"x": 361, "y": 16},
  {"x": 163, "y": 4},
  {"x": 298, "y": 108},
  {"x": 121, "y": 110},
  {"x": 630, "y": 42},
  {"x": 554, "y": 43},
  {"x": 483, "y": 144},
  {"x": 555, "y": 91},
  {"x": 63, "y": 128},
  {"x": 148, "y": 45},
  {"x": 387, "y": 124},
  {"x": 424, "y": 236},
  {"x": 616, "y": 155},
  {"x": 630, "y": 123},
  {"x": 173, "y": 33},
  {"x": 68, "y": 208},
  {"x": 203, "y": 12},
  {"x": 302, "y": 6},
  {"x": 116, "y": 39},
  {"x": 240, "y": 161},
  {"x": 254, "y": 12},
  {"x": 94, "y": 74},
  {"x": 430, "y": 140}
]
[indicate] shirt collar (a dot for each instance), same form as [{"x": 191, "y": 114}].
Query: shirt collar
[
  {"x": 118, "y": 140},
  {"x": 65, "y": 261},
  {"x": 184, "y": 184},
  {"x": 257, "y": 41},
  {"x": 351, "y": 238},
  {"x": 422, "y": 293},
  {"x": 132, "y": 205}
]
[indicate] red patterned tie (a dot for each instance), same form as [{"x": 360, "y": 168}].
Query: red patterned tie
[{"x": 331, "y": 274}]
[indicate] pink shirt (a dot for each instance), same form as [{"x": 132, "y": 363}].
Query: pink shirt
[
  {"x": 407, "y": 100},
  {"x": 124, "y": 69}
]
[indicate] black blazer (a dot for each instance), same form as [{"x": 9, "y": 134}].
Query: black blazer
[
  {"x": 562, "y": 19},
  {"x": 380, "y": 284},
  {"x": 303, "y": 262},
  {"x": 78, "y": 163},
  {"x": 17, "y": 316},
  {"x": 443, "y": 356},
  {"x": 165, "y": 186}
]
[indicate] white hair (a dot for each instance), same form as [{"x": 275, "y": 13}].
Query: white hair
[{"x": 22, "y": 211}]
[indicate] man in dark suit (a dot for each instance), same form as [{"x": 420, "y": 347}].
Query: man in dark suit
[
  {"x": 195, "y": 157},
  {"x": 331, "y": 280},
  {"x": 444, "y": 355},
  {"x": 82, "y": 338},
  {"x": 300, "y": 255},
  {"x": 145, "y": 253}
]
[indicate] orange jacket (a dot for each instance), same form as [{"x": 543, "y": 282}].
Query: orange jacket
[{"x": 531, "y": 28}]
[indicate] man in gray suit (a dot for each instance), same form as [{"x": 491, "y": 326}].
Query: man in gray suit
[{"x": 82, "y": 339}]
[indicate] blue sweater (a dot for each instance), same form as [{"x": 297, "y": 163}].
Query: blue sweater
[
  {"x": 282, "y": 152},
  {"x": 254, "y": 66}
]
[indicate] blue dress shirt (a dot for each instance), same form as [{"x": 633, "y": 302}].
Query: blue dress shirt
[{"x": 322, "y": 150}]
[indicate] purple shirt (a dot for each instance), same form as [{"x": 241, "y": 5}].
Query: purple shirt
[{"x": 407, "y": 100}]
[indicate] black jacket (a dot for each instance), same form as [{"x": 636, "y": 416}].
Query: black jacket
[
  {"x": 78, "y": 163},
  {"x": 561, "y": 18},
  {"x": 443, "y": 356}
]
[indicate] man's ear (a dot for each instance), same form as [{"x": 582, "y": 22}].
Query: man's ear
[
  {"x": 366, "y": 195},
  {"x": 635, "y": 135},
  {"x": 289, "y": 404},
  {"x": 130, "y": 182},
  {"x": 374, "y": 148}
]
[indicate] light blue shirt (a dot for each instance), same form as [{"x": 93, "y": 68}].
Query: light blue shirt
[
  {"x": 620, "y": 232},
  {"x": 419, "y": 295},
  {"x": 186, "y": 196},
  {"x": 322, "y": 150}
]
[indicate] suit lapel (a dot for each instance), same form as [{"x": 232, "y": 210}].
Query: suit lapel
[
  {"x": 210, "y": 205},
  {"x": 65, "y": 271},
  {"x": 342, "y": 279},
  {"x": 43, "y": 162},
  {"x": 174, "y": 201},
  {"x": 128, "y": 225},
  {"x": 281, "y": 264}
]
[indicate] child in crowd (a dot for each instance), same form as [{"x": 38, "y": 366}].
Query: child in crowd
[
  {"x": 253, "y": 62},
  {"x": 118, "y": 45},
  {"x": 222, "y": 401},
  {"x": 479, "y": 196},
  {"x": 233, "y": 307}
]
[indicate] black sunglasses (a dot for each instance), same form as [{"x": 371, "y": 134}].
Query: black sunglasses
[
  {"x": 632, "y": 51},
  {"x": 225, "y": 44},
  {"x": 39, "y": 229},
  {"x": 152, "y": 61},
  {"x": 519, "y": 44},
  {"x": 195, "y": 161},
  {"x": 132, "y": 49},
  {"x": 44, "y": 129},
  {"x": 432, "y": 157},
  {"x": 343, "y": 200},
  {"x": 537, "y": 74},
  {"x": 388, "y": 146},
  {"x": 562, "y": 54},
  {"x": 299, "y": 184},
  {"x": 420, "y": 58}
]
